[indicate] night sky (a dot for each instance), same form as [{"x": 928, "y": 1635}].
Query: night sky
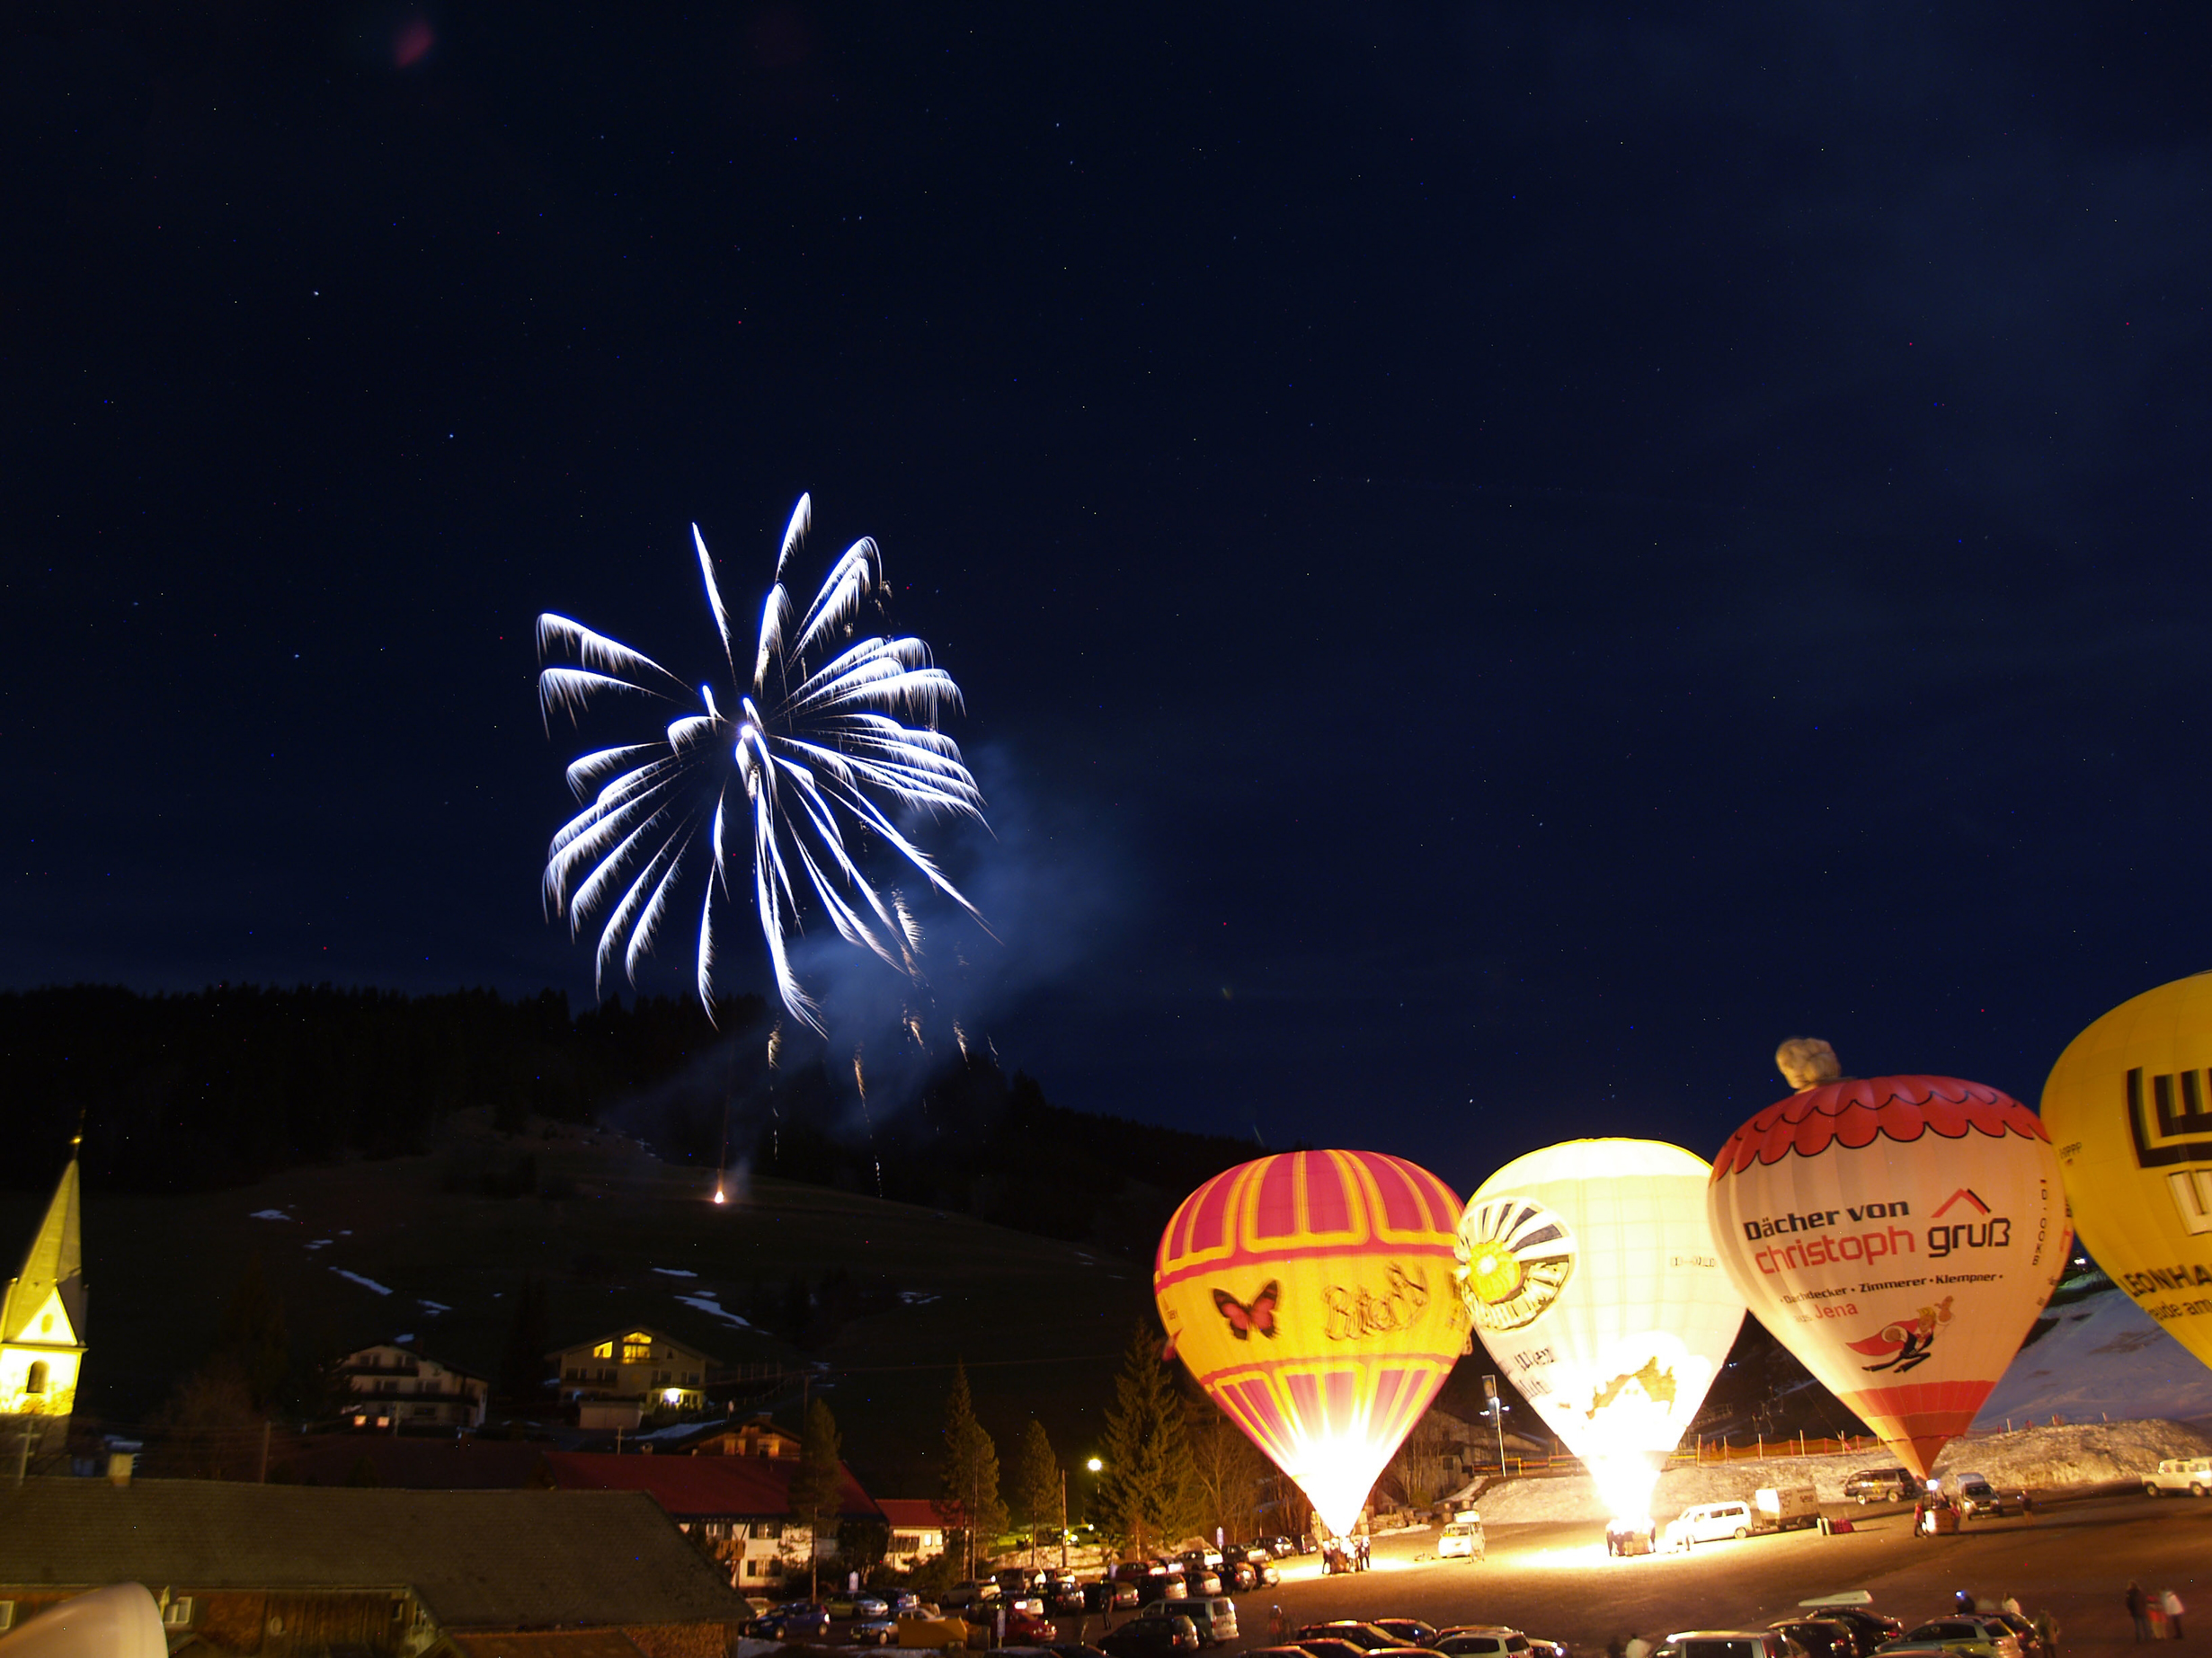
[{"x": 1502, "y": 558}]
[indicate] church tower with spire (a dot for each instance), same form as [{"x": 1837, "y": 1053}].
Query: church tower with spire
[{"x": 42, "y": 1328}]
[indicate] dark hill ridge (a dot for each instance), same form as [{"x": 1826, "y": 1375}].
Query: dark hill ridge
[{"x": 228, "y": 1086}]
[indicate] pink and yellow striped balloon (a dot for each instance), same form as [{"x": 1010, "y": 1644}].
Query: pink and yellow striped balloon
[{"x": 1311, "y": 1295}]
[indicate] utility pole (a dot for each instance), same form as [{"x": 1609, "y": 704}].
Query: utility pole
[
  {"x": 1063, "y": 1519},
  {"x": 1498, "y": 1416}
]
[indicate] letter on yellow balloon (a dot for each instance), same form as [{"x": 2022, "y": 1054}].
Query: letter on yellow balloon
[
  {"x": 2129, "y": 1103},
  {"x": 1312, "y": 1296}
]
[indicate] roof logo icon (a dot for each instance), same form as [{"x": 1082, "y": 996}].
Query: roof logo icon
[{"x": 1966, "y": 1192}]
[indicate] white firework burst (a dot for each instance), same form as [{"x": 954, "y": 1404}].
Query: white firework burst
[{"x": 820, "y": 745}]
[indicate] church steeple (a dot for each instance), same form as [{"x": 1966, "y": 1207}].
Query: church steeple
[{"x": 42, "y": 1318}]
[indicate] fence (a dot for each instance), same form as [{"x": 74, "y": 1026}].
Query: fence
[{"x": 1753, "y": 1447}]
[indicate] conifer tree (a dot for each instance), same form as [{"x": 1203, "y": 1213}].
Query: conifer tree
[
  {"x": 968, "y": 1499},
  {"x": 817, "y": 1484},
  {"x": 1036, "y": 1484},
  {"x": 1144, "y": 1491}
]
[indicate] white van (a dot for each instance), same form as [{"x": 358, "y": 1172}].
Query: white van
[
  {"x": 2190, "y": 1474},
  {"x": 1462, "y": 1539},
  {"x": 1708, "y": 1523}
]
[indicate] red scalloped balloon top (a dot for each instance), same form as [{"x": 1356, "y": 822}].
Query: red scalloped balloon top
[{"x": 1903, "y": 1108}]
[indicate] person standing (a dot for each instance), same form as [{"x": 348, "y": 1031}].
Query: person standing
[
  {"x": 2170, "y": 1604},
  {"x": 1638, "y": 1648},
  {"x": 2139, "y": 1609},
  {"x": 2047, "y": 1634}
]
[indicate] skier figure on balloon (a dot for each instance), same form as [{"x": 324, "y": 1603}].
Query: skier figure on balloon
[{"x": 1905, "y": 1343}]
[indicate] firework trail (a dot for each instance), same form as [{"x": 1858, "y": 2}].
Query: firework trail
[{"x": 816, "y": 744}]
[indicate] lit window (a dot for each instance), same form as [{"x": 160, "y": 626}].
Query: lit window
[
  {"x": 36, "y": 1381},
  {"x": 638, "y": 1347},
  {"x": 605, "y": 1350}
]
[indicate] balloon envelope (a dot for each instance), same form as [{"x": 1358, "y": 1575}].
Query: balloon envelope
[
  {"x": 1898, "y": 1234},
  {"x": 2127, "y": 1105},
  {"x": 1590, "y": 1272},
  {"x": 1312, "y": 1296}
]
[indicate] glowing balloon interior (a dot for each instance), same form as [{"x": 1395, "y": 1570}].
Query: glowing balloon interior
[
  {"x": 1898, "y": 1234},
  {"x": 1590, "y": 1272},
  {"x": 1312, "y": 1296},
  {"x": 2127, "y": 1104}
]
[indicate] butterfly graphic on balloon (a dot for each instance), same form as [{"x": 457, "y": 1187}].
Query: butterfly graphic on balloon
[{"x": 1245, "y": 1317}]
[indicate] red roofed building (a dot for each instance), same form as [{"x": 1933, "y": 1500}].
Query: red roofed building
[
  {"x": 917, "y": 1529},
  {"x": 741, "y": 1505}
]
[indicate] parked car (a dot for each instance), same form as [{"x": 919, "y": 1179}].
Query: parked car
[
  {"x": 1881, "y": 1485},
  {"x": 1106, "y": 1595},
  {"x": 1018, "y": 1580},
  {"x": 791, "y": 1622},
  {"x": 1330, "y": 1647},
  {"x": 1025, "y": 1625},
  {"x": 858, "y": 1606},
  {"x": 1165, "y": 1586},
  {"x": 1709, "y": 1522},
  {"x": 873, "y": 1632},
  {"x": 904, "y": 1601},
  {"x": 1214, "y": 1616},
  {"x": 1872, "y": 1627},
  {"x": 1979, "y": 1498},
  {"x": 1482, "y": 1641},
  {"x": 968, "y": 1593},
  {"x": 1821, "y": 1637},
  {"x": 2179, "y": 1474},
  {"x": 1409, "y": 1631},
  {"x": 1150, "y": 1637},
  {"x": 1362, "y": 1634},
  {"x": 1280, "y": 1547},
  {"x": 1064, "y": 1597},
  {"x": 1966, "y": 1635},
  {"x": 1728, "y": 1643}
]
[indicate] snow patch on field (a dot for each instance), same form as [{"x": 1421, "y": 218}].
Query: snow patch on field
[
  {"x": 434, "y": 1307},
  {"x": 704, "y": 1301},
  {"x": 674, "y": 1272},
  {"x": 268, "y": 1214},
  {"x": 366, "y": 1283},
  {"x": 2104, "y": 1356}
]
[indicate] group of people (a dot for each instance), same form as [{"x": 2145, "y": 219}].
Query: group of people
[
  {"x": 1347, "y": 1554},
  {"x": 2151, "y": 1610}
]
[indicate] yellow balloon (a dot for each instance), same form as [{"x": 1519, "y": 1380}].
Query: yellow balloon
[
  {"x": 1311, "y": 1295},
  {"x": 2130, "y": 1105}
]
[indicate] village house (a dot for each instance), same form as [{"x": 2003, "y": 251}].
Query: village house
[
  {"x": 613, "y": 1379},
  {"x": 298, "y": 1572},
  {"x": 758, "y": 1437},
  {"x": 396, "y": 1387},
  {"x": 739, "y": 1506},
  {"x": 916, "y": 1531}
]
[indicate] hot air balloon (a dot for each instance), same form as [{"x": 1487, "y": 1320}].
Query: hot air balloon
[
  {"x": 1898, "y": 1234},
  {"x": 2127, "y": 1104},
  {"x": 1312, "y": 1296},
  {"x": 1590, "y": 1271}
]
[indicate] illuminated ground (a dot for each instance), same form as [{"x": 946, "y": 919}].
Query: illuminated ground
[{"x": 2073, "y": 1558}]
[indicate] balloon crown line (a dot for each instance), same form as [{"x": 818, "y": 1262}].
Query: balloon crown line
[{"x": 1855, "y": 1111}]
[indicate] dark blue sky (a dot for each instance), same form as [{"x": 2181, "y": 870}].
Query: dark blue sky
[{"x": 1501, "y": 560}]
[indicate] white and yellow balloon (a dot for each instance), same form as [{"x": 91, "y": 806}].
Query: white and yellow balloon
[{"x": 1591, "y": 1275}]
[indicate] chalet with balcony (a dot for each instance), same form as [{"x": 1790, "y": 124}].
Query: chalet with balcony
[
  {"x": 636, "y": 1366},
  {"x": 391, "y": 1386}
]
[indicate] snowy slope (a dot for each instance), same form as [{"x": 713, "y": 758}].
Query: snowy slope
[{"x": 2105, "y": 1358}]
